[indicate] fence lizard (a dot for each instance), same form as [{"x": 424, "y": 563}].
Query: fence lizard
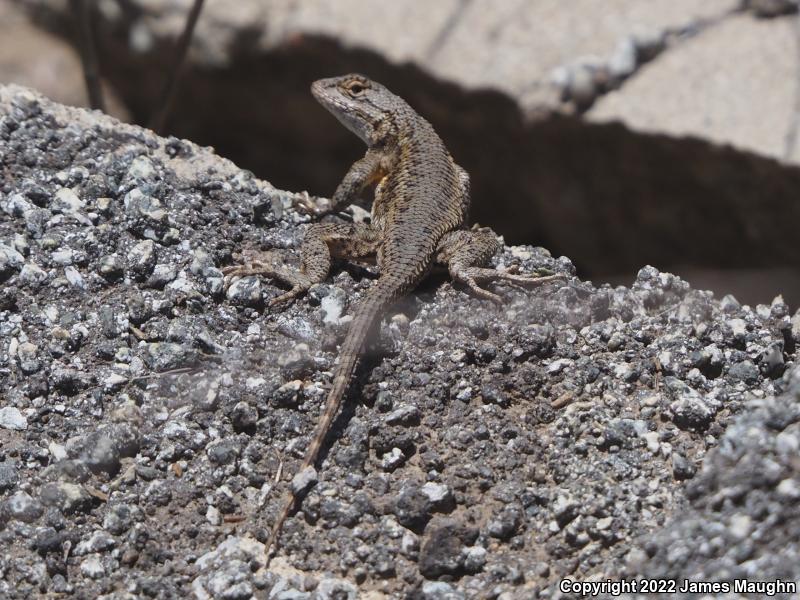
[{"x": 419, "y": 214}]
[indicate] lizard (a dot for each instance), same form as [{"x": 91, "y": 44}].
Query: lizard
[{"x": 418, "y": 220}]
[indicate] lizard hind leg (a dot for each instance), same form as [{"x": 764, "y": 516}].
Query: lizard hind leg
[
  {"x": 322, "y": 241},
  {"x": 465, "y": 252}
]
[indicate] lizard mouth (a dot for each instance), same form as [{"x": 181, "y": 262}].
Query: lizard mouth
[{"x": 317, "y": 88}]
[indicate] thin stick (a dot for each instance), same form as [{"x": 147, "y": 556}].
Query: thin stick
[
  {"x": 82, "y": 11},
  {"x": 171, "y": 87}
]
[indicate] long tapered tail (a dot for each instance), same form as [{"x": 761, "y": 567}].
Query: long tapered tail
[{"x": 378, "y": 298}]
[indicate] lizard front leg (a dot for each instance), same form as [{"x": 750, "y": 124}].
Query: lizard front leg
[
  {"x": 321, "y": 242},
  {"x": 362, "y": 173},
  {"x": 465, "y": 252}
]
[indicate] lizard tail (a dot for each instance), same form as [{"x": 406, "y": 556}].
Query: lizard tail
[{"x": 378, "y": 298}]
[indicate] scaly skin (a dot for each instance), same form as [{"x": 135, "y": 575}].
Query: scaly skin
[{"x": 418, "y": 220}]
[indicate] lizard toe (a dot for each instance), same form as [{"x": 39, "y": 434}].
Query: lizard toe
[{"x": 286, "y": 297}]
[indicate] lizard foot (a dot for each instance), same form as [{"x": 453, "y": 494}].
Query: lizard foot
[
  {"x": 471, "y": 275},
  {"x": 527, "y": 280},
  {"x": 481, "y": 292},
  {"x": 248, "y": 266},
  {"x": 317, "y": 208},
  {"x": 265, "y": 267}
]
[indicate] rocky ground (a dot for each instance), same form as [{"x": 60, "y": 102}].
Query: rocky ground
[{"x": 150, "y": 417}]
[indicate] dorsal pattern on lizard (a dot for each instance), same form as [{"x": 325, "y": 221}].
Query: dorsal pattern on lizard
[{"x": 418, "y": 220}]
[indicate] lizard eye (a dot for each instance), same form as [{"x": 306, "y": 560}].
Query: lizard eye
[{"x": 356, "y": 88}]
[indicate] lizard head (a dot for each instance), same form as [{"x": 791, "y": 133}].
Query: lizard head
[{"x": 359, "y": 103}]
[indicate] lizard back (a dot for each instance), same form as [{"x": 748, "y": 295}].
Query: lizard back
[{"x": 419, "y": 201}]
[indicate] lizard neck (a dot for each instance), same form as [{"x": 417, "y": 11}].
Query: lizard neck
[{"x": 399, "y": 126}]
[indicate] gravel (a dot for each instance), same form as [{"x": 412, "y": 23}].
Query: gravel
[{"x": 157, "y": 419}]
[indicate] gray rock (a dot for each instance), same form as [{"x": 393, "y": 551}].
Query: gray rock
[
  {"x": 443, "y": 547},
  {"x": 411, "y": 507},
  {"x": 245, "y": 291},
  {"x": 745, "y": 371},
  {"x": 102, "y": 454},
  {"x": 690, "y": 409},
  {"x": 28, "y": 358},
  {"x": 12, "y": 418},
  {"x": 772, "y": 362},
  {"x": 141, "y": 169},
  {"x": 244, "y": 416},
  {"x": 162, "y": 275},
  {"x": 142, "y": 259},
  {"x": 119, "y": 518},
  {"x": 475, "y": 559},
  {"x": 729, "y": 303},
  {"x": 330, "y": 588},
  {"x": 32, "y": 274},
  {"x": 392, "y": 459},
  {"x": 11, "y": 261},
  {"x": 165, "y": 356},
  {"x": 16, "y": 205},
  {"x": 406, "y": 414},
  {"x": 22, "y": 507},
  {"x": 9, "y": 476},
  {"x": 48, "y": 540},
  {"x": 624, "y": 59},
  {"x": 304, "y": 480},
  {"x": 74, "y": 278},
  {"x": 439, "y": 496},
  {"x": 439, "y": 590},
  {"x": 158, "y": 493},
  {"x": 99, "y": 541},
  {"x": 203, "y": 266},
  {"x": 36, "y": 221},
  {"x": 735, "y": 498},
  {"x": 333, "y": 305},
  {"x": 67, "y": 497},
  {"x": 139, "y": 204},
  {"x": 505, "y": 523},
  {"x": 92, "y": 567},
  {"x": 110, "y": 267},
  {"x": 63, "y": 257},
  {"x": 681, "y": 467},
  {"x": 223, "y": 452},
  {"x": 225, "y": 571},
  {"x": 66, "y": 201}
]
